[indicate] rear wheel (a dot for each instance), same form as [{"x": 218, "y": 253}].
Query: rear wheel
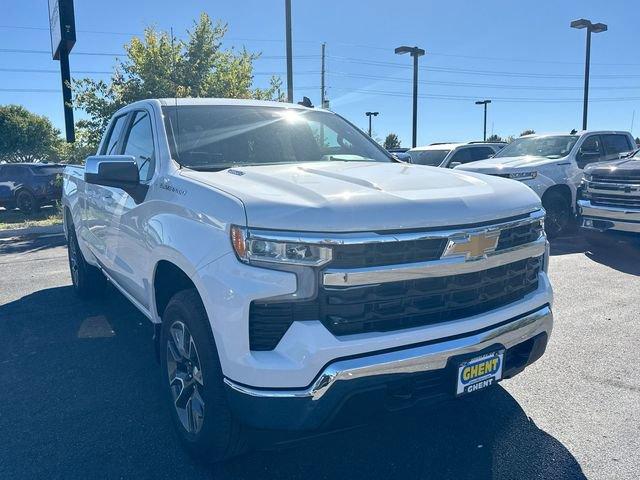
[
  {"x": 87, "y": 280},
  {"x": 194, "y": 382},
  {"x": 27, "y": 202},
  {"x": 559, "y": 216}
]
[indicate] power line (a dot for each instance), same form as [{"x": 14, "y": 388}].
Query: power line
[
  {"x": 469, "y": 98},
  {"x": 378, "y": 63},
  {"x": 476, "y": 85}
]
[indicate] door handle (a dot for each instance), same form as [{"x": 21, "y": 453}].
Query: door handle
[{"x": 108, "y": 199}]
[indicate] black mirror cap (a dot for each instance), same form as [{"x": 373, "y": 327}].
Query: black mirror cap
[{"x": 118, "y": 171}]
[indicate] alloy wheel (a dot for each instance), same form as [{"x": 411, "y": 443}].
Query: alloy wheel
[
  {"x": 73, "y": 259},
  {"x": 185, "y": 377}
]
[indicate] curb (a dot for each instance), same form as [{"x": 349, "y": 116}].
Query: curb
[{"x": 32, "y": 231}]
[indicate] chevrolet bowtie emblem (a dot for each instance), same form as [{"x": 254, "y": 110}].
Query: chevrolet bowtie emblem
[{"x": 472, "y": 246}]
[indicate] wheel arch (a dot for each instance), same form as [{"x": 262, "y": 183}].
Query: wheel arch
[{"x": 562, "y": 190}]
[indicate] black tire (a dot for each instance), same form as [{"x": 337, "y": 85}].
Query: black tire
[
  {"x": 559, "y": 216},
  {"x": 193, "y": 382},
  {"x": 87, "y": 280},
  {"x": 27, "y": 202}
]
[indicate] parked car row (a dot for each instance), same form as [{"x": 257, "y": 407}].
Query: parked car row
[
  {"x": 577, "y": 174},
  {"x": 28, "y": 186},
  {"x": 450, "y": 155}
]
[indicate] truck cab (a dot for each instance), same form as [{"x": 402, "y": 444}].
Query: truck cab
[{"x": 552, "y": 165}]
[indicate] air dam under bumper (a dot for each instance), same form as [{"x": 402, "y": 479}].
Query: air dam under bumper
[
  {"x": 600, "y": 218},
  {"x": 393, "y": 379}
]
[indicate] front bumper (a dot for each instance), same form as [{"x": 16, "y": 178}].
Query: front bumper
[
  {"x": 601, "y": 218},
  {"x": 391, "y": 379}
]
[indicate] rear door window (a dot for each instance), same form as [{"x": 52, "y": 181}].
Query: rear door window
[
  {"x": 463, "y": 156},
  {"x": 113, "y": 143},
  {"x": 481, "y": 153},
  {"x": 615, "y": 144}
]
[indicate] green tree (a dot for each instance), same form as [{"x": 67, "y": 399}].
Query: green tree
[
  {"x": 494, "y": 138},
  {"x": 391, "y": 141},
  {"x": 25, "y": 136},
  {"x": 159, "y": 65},
  {"x": 529, "y": 131},
  {"x": 78, "y": 151},
  {"x": 638, "y": 141}
]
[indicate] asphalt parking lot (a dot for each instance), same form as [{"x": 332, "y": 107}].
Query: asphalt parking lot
[{"x": 80, "y": 392}]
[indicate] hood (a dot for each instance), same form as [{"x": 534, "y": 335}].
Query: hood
[
  {"x": 509, "y": 164},
  {"x": 617, "y": 168},
  {"x": 367, "y": 196}
]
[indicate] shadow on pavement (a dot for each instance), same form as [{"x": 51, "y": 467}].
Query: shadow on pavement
[
  {"x": 86, "y": 402},
  {"x": 622, "y": 254},
  {"x": 30, "y": 245}
]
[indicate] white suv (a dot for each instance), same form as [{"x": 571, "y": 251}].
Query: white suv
[
  {"x": 552, "y": 166},
  {"x": 449, "y": 155}
]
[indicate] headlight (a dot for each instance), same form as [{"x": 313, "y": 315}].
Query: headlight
[
  {"x": 523, "y": 175},
  {"x": 291, "y": 253}
]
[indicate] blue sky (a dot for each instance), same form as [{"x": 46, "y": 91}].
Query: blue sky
[{"x": 522, "y": 55}]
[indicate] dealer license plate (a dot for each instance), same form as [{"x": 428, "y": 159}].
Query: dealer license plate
[{"x": 479, "y": 372}]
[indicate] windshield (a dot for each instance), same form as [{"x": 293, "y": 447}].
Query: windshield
[
  {"x": 428, "y": 157},
  {"x": 215, "y": 137},
  {"x": 557, "y": 146}
]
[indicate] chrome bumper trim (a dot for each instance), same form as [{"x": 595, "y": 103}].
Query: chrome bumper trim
[
  {"x": 620, "y": 218},
  {"x": 423, "y": 358},
  {"x": 435, "y": 268}
]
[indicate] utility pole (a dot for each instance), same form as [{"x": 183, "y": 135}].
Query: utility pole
[
  {"x": 415, "y": 52},
  {"x": 591, "y": 28},
  {"x": 484, "y": 102},
  {"x": 289, "y": 52},
  {"x": 322, "y": 91},
  {"x": 371, "y": 114}
]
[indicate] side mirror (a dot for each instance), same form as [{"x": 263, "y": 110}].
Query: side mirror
[
  {"x": 118, "y": 171},
  {"x": 454, "y": 164}
]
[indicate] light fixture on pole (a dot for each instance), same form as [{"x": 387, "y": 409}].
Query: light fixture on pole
[
  {"x": 415, "y": 52},
  {"x": 371, "y": 114},
  {"x": 484, "y": 102},
  {"x": 591, "y": 28}
]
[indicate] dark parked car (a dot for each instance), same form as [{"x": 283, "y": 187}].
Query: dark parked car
[{"x": 28, "y": 186}]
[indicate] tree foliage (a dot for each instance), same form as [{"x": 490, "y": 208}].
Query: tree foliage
[
  {"x": 528, "y": 131},
  {"x": 159, "y": 65},
  {"x": 494, "y": 138},
  {"x": 638, "y": 141},
  {"x": 391, "y": 141},
  {"x": 25, "y": 136}
]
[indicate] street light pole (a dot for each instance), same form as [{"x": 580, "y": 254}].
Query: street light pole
[
  {"x": 484, "y": 102},
  {"x": 591, "y": 28},
  {"x": 289, "y": 52},
  {"x": 415, "y": 52},
  {"x": 371, "y": 114}
]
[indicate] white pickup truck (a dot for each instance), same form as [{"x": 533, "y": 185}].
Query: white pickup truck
[
  {"x": 293, "y": 268},
  {"x": 552, "y": 166}
]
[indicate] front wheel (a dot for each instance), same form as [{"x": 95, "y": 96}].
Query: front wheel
[
  {"x": 559, "y": 215},
  {"x": 193, "y": 380},
  {"x": 87, "y": 280}
]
